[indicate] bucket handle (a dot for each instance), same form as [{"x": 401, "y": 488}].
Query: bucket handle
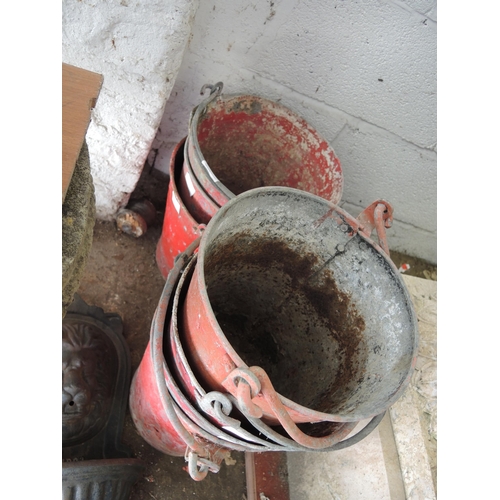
[
  {"x": 377, "y": 216},
  {"x": 246, "y": 383},
  {"x": 196, "y": 114},
  {"x": 219, "y": 406},
  {"x": 198, "y": 111},
  {"x": 215, "y": 91}
]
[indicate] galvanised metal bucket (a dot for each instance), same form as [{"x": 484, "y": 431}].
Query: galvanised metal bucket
[
  {"x": 291, "y": 283},
  {"x": 180, "y": 228},
  {"x": 240, "y": 142}
]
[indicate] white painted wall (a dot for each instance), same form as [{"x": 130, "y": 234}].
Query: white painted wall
[
  {"x": 138, "y": 48},
  {"x": 363, "y": 73}
]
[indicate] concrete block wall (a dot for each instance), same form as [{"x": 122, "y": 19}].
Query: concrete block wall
[
  {"x": 138, "y": 48},
  {"x": 363, "y": 73}
]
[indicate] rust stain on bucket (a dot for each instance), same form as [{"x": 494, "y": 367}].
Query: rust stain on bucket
[{"x": 326, "y": 330}]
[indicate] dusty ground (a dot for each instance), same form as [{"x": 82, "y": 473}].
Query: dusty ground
[{"x": 121, "y": 276}]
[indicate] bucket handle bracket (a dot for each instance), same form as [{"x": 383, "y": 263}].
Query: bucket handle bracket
[
  {"x": 377, "y": 216},
  {"x": 244, "y": 385},
  {"x": 214, "y": 89},
  {"x": 218, "y": 405},
  {"x": 198, "y": 467}
]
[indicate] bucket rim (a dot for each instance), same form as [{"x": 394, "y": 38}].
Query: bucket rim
[
  {"x": 201, "y": 166},
  {"x": 173, "y": 172}
]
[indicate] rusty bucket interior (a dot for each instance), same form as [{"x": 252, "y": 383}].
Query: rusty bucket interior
[
  {"x": 250, "y": 142},
  {"x": 298, "y": 291}
]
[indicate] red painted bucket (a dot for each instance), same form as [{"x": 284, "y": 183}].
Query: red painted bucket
[
  {"x": 236, "y": 143},
  {"x": 180, "y": 228},
  {"x": 240, "y": 142},
  {"x": 173, "y": 421}
]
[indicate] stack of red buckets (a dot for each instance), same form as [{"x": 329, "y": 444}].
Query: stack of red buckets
[{"x": 235, "y": 145}]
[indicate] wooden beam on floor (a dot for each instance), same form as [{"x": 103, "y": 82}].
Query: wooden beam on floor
[{"x": 267, "y": 476}]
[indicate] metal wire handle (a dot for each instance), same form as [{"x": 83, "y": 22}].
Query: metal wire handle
[
  {"x": 192, "y": 138},
  {"x": 217, "y": 404},
  {"x": 241, "y": 382}
]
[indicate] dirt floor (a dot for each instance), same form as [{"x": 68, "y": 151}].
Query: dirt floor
[{"x": 122, "y": 277}]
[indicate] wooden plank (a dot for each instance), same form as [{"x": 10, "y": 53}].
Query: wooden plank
[
  {"x": 80, "y": 89},
  {"x": 267, "y": 476}
]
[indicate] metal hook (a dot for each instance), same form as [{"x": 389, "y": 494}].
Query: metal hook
[
  {"x": 219, "y": 406},
  {"x": 244, "y": 385},
  {"x": 198, "y": 474},
  {"x": 217, "y": 88},
  {"x": 194, "y": 472}
]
